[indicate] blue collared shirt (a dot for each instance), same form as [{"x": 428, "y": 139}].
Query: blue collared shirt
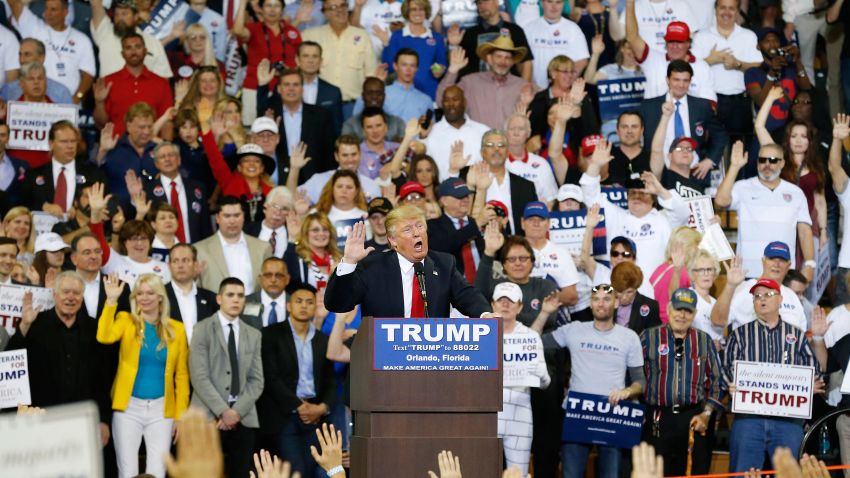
[
  {"x": 57, "y": 92},
  {"x": 306, "y": 387},
  {"x": 406, "y": 103}
]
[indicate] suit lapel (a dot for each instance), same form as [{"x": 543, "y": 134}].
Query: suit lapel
[
  {"x": 172, "y": 298},
  {"x": 219, "y": 333},
  {"x": 289, "y": 349},
  {"x": 218, "y": 253}
]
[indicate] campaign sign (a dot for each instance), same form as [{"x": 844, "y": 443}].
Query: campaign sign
[
  {"x": 714, "y": 240},
  {"x": 702, "y": 212},
  {"x": 343, "y": 227},
  {"x": 29, "y": 123},
  {"x": 616, "y": 195},
  {"x": 617, "y": 96},
  {"x": 14, "y": 379},
  {"x": 773, "y": 389},
  {"x": 567, "y": 229},
  {"x": 43, "y": 222},
  {"x": 163, "y": 17},
  {"x": 591, "y": 419},
  {"x": 12, "y": 299},
  {"x": 436, "y": 344},
  {"x": 521, "y": 354},
  {"x": 822, "y": 275}
]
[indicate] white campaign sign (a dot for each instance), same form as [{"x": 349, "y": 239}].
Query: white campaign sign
[
  {"x": 822, "y": 275},
  {"x": 12, "y": 300},
  {"x": 702, "y": 212},
  {"x": 714, "y": 241},
  {"x": 29, "y": 123},
  {"x": 772, "y": 389},
  {"x": 43, "y": 222},
  {"x": 62, "y": 442},
  {"x": 521, "y": 353},
  {"x": 14, "y": 379}
]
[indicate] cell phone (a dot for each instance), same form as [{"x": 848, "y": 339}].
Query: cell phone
[
  {"x": 635, "y": 184},
  {"x": 429, "y": 116}
]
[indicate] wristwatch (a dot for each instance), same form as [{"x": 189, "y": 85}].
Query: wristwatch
[
  {"x": 79, "y": 95},
  {"x": 810, "y": 263}
]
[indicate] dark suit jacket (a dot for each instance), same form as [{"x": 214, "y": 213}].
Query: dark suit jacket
[
  {"x": 706, "y": 129},
  {"x": 328, "y": 97},
  {"x": 317, "y": 132},
  {"x": 376, "y": 285},
  {"x": 204, "y": 302},
  {"x": 200, "y": 227},
  {"x": 645, "y": 313},
  {"x": 522, "y": 193},
  {"x": 443, "y": 237},
  {"x": 15, "y": 191},
  {"x": 44, "y": 343},
  {"x": 38, "y": 183},
  {"x": 280, "y": 369}
]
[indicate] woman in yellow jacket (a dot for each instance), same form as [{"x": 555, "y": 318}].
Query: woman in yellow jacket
[{"x": 151, "y": 388}]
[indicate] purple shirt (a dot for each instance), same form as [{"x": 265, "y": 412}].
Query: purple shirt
[{"x": 371, "y": 161}]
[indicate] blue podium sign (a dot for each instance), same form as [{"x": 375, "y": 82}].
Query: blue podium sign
[
  {"x": 591, "y": 419},
  {"x": 437, "y": 344}
]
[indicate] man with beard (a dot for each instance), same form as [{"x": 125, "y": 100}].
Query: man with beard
[
  {"x": 769, "y": 209},
  {"x": 454, "y": 128},
  {"x": 107, "y": 35},
  {"x": 133, "y": 83}
]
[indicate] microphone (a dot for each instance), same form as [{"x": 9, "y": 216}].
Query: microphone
[{"x": 419, "y": 271}]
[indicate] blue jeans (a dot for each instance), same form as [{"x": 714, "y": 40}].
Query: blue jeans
[
  {"x": 574, "y": 459},
  {"x": 752, "y": 437},
  {"x": 295, "y": 440}
]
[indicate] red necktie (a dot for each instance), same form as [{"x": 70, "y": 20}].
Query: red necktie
[
  {"x": 229, "y": 16},
  {"x": 468, "y": 260},
  {"x": 60, "y": 197},
  {"x": 175, "y": 203},
  {"x": 417, "y": 306}
]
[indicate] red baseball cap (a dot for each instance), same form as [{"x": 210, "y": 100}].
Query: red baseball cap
[
  {"x": 682, "y": 139},
  {"x": 588, "y": 144},
  {"x": 769, "y": 283},
  {"x": 499, "y": 205},
  {"x": 677, "y": 31},
  {"x": 410, "y": 187}
]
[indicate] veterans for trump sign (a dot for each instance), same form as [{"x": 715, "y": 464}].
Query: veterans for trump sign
[
  {"x": 592, "y": 419},
  {"x": 14, "y": 379},
  {"x": 29, "y": 123},
  {"x": 772, "y": 389},
  {"x": 521, "y": 354}
]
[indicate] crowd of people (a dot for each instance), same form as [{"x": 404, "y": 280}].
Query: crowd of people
[{"x": 207, "y": 220}]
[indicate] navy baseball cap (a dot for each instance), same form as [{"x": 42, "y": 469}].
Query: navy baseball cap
[
  {"x": 777, "y": 249},
  {"x": 625, "y": 241},
  {"x": 535, "y": 209},
  {"x": 684, "y": 299},
  {"x": 454, "y": 187}
]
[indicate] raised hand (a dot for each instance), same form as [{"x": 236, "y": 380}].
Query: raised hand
[
  {"x": 457, "y": 60},
  {"x": 270, "y": 467},
  {"x": 101, "y": 90},
  {"x": 644, "y": 462},
  {"x": 602, "y": 154},
  {"x": 293, "y": 223},
  {"x": 819, "y": 323},
  {"x": 564, "y": 110},
  {"x": 786, "y": 465},
  {"x": 667, "y": 109},
  {"x": 298, "y": 158},
  {"x": 198, "y": 448},
  {"x": 134, "y": 184},
  {"x": 678, "y": 254},
  {"x": 381, "y": 34},
  {"x": 218, "y": 125},
  {"x": 774, "y": 94},
  {"x": 113, "y": 286},
  {"x": 449, "y": 466},
  {"x": 381, "y": 72},
  {"x": 457, "y": 160},
  {"x": 493, "y": 239},
  {"x": 265, "y": 73},
  {"x": 841, "y": 126},
  {"x": 526, "y": 95},
  {"x": 178, "y": 29},
  {"x": 734, "y": 271},
  {"x": 483, "y": 179},
  {"x": 330, "y": 443},
  {"x": 813, "y": 468},
  {"x": 301, "y": 203},
  {"x": 597, "y": 45},
  {"x": 142, "y": 204},
  {"x": 551, "y": 303},
  {"x": 739, "y": 156},
  {"x": 28, "y": 312},
  {"x": 355, "y": 248},
  {"x": 455, "y": 34},
  {"x": 181, "y": 89},
  {"x": 412, "y": 128},
  {"x": 108, "y": 140},
  {"x": 577, "y": 92},
  {"x": 593, "y": 217},
  {"x": 98, "y": 202}
]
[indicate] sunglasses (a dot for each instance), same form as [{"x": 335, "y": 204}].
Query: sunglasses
[
  {"x": 680, "y": 349},
  {"x": 771, "y": 160},
  {"x": 625, "y": 254},
  {"x": 607, "y": 288}
]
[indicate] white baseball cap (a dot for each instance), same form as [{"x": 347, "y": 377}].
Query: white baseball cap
[
  {"x": 50, "y": 242},
  {"x": 264, "y": 123},
  {"x": 570, "y": 191},
  {"x": 509, "y": 290}
]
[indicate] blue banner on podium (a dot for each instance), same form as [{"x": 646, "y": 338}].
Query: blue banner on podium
[
  {"x": 591, "y": 419},
  {"x": 436, "y": 344}
]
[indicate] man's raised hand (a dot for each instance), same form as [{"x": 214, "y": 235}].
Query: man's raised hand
[{"x": 355, "y": 245}]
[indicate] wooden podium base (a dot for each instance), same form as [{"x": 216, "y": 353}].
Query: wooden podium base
[{"x": 388, "y": 444}]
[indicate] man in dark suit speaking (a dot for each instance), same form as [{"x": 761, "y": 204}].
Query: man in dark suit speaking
[{"x": 386, "y": 284}]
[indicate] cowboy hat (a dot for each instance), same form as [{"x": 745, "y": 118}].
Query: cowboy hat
[
  {"x": 503, "y": 43},
  {"x": 251, "y": 149}
]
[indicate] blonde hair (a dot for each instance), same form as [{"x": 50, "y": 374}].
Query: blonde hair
[
  {"x": 702, "y": 254},
  {"x": 402, "y": 213},
  {"x": 302, "y": 248},
  {"x": 209, "y": 53},
  {"x": 15, "y": 213},
  {"x": 687, "y": 236},
  {"x": 556, "y": 63},
  {"x": 163, "y": 328}
]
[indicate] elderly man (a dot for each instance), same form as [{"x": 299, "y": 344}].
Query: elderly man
[
  {"x": 676, "y": 409},
  {"x": 769, "y": 209},
  {"x": 491, "y": 95},
  {"x": 66, "y": 363},
  {"x": 771, "y": 340},
  {"x": 108, "y": 32},
  {"x": 385, "y": 285},
  {"x": 272, "y": 228},
  {"x": 528, "y": 165},
  {"x": 33, "y": 50}
]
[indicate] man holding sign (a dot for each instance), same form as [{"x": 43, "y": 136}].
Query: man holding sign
[{"x": 769, "y": 340}]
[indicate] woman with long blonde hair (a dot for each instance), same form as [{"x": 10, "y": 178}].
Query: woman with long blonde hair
[
  {"x": 342, "y": 197},
  {"x": 17, "y": 225},
  {"x": 151, "y": 388},
  {"x": 315, "y": 255}
]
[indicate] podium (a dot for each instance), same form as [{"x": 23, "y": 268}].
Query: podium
[{"x": 404, "y": 418}]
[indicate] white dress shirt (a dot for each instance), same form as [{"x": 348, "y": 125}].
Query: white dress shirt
[
  {"x": 670, "y": 134},
  {"x": 182, "y": 196},
  {"x": 443, "y": 135},
  {"x": 238, "y": 260},
  {"x": 91, "y": 294},
  {"x": 188, "y": 308},
  {"x": 310, "y": 91},
  {"x": 281, "y": 238},
  {"x": 225, "y": 327},
  {"x": 280, "y": 307},
  {"x": 70, "y": 179},
  {"x": 502, "y": 192},
  {"x": 7, "y": 172}
]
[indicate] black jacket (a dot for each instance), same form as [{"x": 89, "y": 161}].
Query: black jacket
[
  {"x": 522, "y": 193},
  {"x": 38, "y": 183},
  {"x": 204, "y": 302},
  {"x": 706, "y": 129},
  {"x": 645, "y": 313},
  {"x": 443, "y": 237},
  {"x": 278, "y": 402},
  {"x": 199, "y": 225}
]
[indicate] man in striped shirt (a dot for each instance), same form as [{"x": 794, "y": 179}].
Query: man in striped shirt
[
  {"x": 768, "y": 339},
  {"x": 683, "y": 379}
]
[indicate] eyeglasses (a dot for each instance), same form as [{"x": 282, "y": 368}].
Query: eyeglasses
[
  {"x": 704, "y": 271},
  {"x": 771, "y": 160},
  {"x": 515, "y": 259},
  {"x": 686, "y": 149},
  {"x": 490, "y": 144},
  {"x": 566, "y": 72},
  {"x": 680, "y": 349},
  {"x": 625, "y": 254},
  {"x": 277, "y": 207},
  {"x": 766, "y": 295},
  {"x": 607, "y": 288}
]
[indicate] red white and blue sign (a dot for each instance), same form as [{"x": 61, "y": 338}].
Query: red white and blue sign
[
  {"x": 437, "y": 344},
  {"x": 592, "y": 419}
]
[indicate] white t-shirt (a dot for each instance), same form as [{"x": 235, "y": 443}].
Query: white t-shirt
[
  {"x": 741, "y": 310},
  {"x": 129, "y": 270},
  {"x": 548, "y": 40},
  {"x": 555, "y": 262},
  {"x": 67, "y": 52},
  {"x": 600, "y": 360},
  {"x": 537, "y": 170},
  {"x": 653, "y": 17},
  {"x": 765, "y": 216},
  {"x": 702, "y": 318},
  {"x": 839, "y": 320},
  {"x": 743, "y": 44},
  {"x": 655, "y": 67},
  {"x": 443, "y": 135},
  {"x": 844, "y": 254},
  {"x": 9, "y": 47}
]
